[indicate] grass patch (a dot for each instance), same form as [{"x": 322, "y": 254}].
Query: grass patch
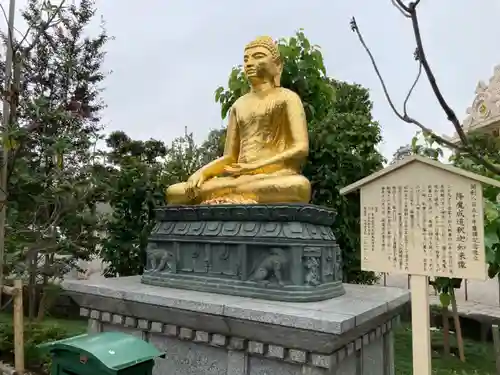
[
  {"x": 480, "y": 358},
  {"x": 35, "y": 334}
]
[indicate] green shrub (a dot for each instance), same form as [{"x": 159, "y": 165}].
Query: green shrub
[{"x": 36, "y": 334}]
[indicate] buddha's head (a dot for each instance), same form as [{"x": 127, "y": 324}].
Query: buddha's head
[{"x": 262, "y": 61}]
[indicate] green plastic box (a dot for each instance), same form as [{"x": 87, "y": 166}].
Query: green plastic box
[{"x": 110, "y": 353}]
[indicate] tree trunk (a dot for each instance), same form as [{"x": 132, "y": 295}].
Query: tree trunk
[
  {"x": 32, "y": 272},
  {"x": 43, "y": 300},
  {"x": 446, "y": 331},
  {"x": 458, "y": 327},
  {"x": 42, "y": 304}
]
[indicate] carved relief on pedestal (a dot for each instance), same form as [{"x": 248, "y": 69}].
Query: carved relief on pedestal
[
  {"x": 339, "y": 275},
  {"x": 195, "y": 257},
  {"x": 312, "y": 266},
  {"x": 225, "y": 260},
  {"x": 328, "y": 264},
  {"x": 271, "y": 268},
  {"x": 486, "y": 106},
  {"x": 278, "y": 252},
  {"x": 159, "y": 259}
]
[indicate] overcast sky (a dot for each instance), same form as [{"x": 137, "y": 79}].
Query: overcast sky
[{"x": 169, "y": 56}]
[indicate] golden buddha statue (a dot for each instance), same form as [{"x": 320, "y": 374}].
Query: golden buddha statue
[{"x": 266, "y": 143}]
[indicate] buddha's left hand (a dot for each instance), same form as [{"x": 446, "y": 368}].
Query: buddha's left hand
[{"x": 240, "y": 168}]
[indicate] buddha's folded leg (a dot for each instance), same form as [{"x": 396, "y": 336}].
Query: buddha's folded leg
[
  {"x": 177, "y": 194},
  {"x": 218, "y": 187},
  {"x": 262, "y": 188},
  {"x": 276, "y": 189}
]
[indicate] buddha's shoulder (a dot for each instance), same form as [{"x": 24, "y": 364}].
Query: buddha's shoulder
[
  {"x": 287, "y": 94},
  {"x": 241, "y": 100}
]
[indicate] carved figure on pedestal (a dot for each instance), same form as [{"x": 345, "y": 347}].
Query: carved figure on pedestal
[
  {"x": 312, "y": 276},
  {"x": 266, "y": 143},
  {"x": 158, "y": 260},
  {"x": 339, "y": 275},
  {"x": 271, "y": 266}
]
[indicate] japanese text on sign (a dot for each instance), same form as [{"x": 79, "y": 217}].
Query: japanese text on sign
[{"x": 433, "y": 229}]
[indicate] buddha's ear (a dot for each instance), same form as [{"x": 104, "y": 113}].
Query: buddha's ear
[{"x": 277, "y": 76}]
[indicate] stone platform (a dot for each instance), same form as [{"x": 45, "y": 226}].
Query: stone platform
[
  {"x": 205, "y": 333},
  {"x": 281, "y": 252}
]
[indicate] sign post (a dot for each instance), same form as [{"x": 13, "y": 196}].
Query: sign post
[
  {"x": 422, "y": 218},
  {"x": 16, "y": 292},
  {"x": 420, "y": 323}
]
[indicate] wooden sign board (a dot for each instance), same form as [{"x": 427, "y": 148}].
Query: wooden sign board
[{"x": 422, "y": 218}]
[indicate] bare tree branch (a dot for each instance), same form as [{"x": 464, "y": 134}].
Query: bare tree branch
[
  {"x": 405, "y": 103},
  {"x": 452, "y": 117},
  {"x": 354, "y": 27},
  {"x": 4, "y": 14},
  {"x": 402, "y": 116},
  {"x": 464, "y": 147},
  {"x": 401, "y": 7}
]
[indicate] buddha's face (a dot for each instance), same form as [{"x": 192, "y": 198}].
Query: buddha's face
[{"x": 259, "y": 64}]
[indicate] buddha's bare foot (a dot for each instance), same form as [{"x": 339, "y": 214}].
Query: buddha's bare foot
[{"x": 230, "y": 199}]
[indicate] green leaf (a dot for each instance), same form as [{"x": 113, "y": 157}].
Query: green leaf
[
  {"x": 491, "y": 210},
  {"x": 490, "y": 254},
  {"x": 445, "y": 299},
  {"x": 218, "y": 93},
  {"x": 493, "y": 270},
  {"x": 491, "y": 238}
]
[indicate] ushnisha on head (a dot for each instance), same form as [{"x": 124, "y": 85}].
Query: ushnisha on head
[{"x": 262, "y": 61}]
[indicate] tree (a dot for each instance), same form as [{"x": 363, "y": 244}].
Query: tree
[
  {"x": 343, "y": 137},
  {"x": 184, "y": 157},
  {"x": 213, "y": 146},
  {"x": 15, "y": 55},
  {"x": 50, "y": 141},
  {"x": 135, "y": 188},
  {"x": 342, "y": 151},
  {"x": 138, "y": 173}
]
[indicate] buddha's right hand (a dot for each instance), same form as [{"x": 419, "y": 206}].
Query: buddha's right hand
[{"x": 193, "y": 184}]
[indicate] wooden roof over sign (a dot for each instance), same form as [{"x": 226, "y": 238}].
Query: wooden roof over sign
[{"x": 418, "y": 159}]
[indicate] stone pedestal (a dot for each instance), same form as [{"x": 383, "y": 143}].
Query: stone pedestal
[
  {"x": 284, "y": 252},
  {"x": 204, "y": 333}
]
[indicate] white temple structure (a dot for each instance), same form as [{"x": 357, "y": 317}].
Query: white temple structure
[{"x": 484, "y": 114}]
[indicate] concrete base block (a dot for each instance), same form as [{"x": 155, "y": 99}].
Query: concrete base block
[{"x": 205, "y": 333}]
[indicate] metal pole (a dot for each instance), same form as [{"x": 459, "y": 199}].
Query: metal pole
[
  {"x": 5, "y": 124},
  {"x": 498, "y": 280}
]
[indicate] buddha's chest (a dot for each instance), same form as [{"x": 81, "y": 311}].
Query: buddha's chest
[{"x": 261, "y": 117}]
